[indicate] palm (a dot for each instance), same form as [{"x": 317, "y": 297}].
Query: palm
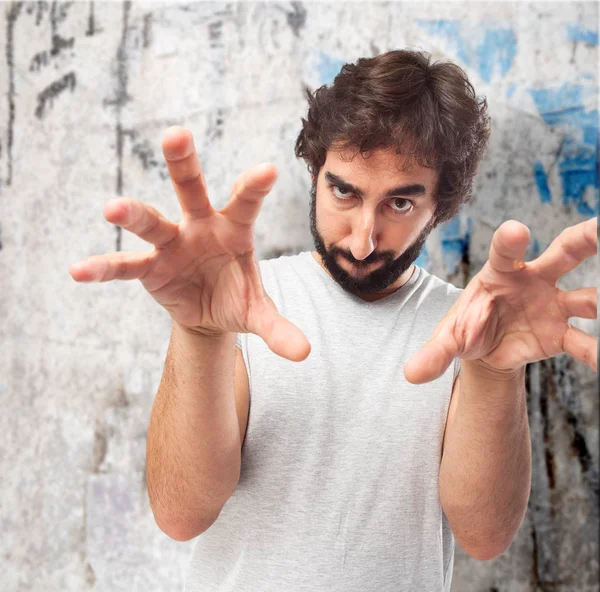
[
  {"x": 207, "y": 277},
  {"x": 508, "y": 315}
]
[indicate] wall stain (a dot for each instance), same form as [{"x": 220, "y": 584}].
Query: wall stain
[
  {"x": 52, "y": 91},
  {"x": 59, "y": 43},
  {"x": 297, "y": 18},
  {"x": 567, "y": 388},
  {"x": 92, "y": 27},
  {"x": 58, "y": 14},
  {"x": 42, "y": 58},
  {"x": 122, "y": 400},
  {"x": 215, "y": 30},
  {"x": 121, "y": 99},
  {"x": 215, "y": 125},
  {"x": 540, "y": 507},
  {"x": 11, "y": 18},
  {"x": 147, "y": 30},
  {"x": 41, "y": 8},
  {"x": 90, "y": 576},
  {"x": 545, "y": 391},
  {"x": 143, "y": 150},
  {"x": 100, "y": 447}
]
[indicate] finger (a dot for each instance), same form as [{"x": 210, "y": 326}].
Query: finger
[
  {"x": 141, "y": 219},
  {"x": 281, "y": 336},
  {"x": 114, "y": 266},
  {"x": 581, "y": 346},
  {"x": 582, "y": 303},
  {"x": 567, "y": 250},
  {"x": 509, "y": 243},
  {"x": 185, "y": 171},
  {"x": 248, "y": 193},
  {"x": 432, "y": 360}
]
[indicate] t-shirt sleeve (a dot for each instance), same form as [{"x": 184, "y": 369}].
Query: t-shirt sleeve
[
  {"x": 239, "y": 341},
  {"x": 456, "y": 368}
]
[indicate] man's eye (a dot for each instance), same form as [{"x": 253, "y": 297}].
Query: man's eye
[
  {"x": 340, "y": 192},
  {"x": 404, "y": 207}
]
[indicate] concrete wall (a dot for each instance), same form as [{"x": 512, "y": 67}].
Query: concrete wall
[{"x": 87, "y": 91}]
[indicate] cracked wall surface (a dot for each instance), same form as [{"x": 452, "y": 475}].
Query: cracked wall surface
[{"x": 87, "y": 90}]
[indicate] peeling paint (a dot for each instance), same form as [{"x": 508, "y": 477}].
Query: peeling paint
[
  {"x": 423, "y": 259},
  {"x": 455, "y": 237},
  {"x": 541, "y": 181},
  {"x": 494, "y": 53},
  {"x": 578, "y": 33},
  {"x": 564, "y": 108},
  {"x": 328, "y": 68}
]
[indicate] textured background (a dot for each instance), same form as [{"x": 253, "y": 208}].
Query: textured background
[{"x": 87, "y": 90}]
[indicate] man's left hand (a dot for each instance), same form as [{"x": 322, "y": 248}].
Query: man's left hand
[{"x": 512, "y": 313}]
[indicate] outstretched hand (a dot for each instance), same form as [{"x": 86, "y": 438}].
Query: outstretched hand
[
  {"x": 511, "y": 313},
  {"x": 202, "y": 270}
]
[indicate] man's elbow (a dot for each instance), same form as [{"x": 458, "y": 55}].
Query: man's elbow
[
  {"x": 488, "y": 549},
  {"x": 183, "y": 531}
]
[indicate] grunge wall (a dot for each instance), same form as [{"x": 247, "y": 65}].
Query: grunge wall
[{"x": 87, "y": 90}]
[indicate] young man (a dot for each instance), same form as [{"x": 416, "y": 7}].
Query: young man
[{"x": 337, "y": 449}]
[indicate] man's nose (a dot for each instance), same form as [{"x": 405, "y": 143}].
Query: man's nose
[{"x": 363, "y": 236}]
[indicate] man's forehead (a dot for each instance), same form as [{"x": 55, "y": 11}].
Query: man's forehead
[{"x": 378, "y": 161}]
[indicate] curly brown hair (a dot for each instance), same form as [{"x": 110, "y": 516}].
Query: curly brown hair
[{"x": 427, "y": 111}]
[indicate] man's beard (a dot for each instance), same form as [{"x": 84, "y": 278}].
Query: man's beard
[{"x": 379, "y": 279}]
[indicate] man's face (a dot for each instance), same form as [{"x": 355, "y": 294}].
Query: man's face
[{"x": 369, "y": 219}]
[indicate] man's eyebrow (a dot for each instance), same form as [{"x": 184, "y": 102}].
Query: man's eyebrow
[{"x": 414, "y": 189}]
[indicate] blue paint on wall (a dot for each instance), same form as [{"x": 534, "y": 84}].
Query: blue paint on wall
[
  {"x": 541, "y": 181},
  {"x": 455, "y": 240},
  {"x": 423, "y": 259},
  {"x": 448, "y": 29},
  {"x": 533, "y": 248},
  {"x": 577, "y": 33},
  {"x": 564, "y": 108},
  {"x": 499, "y": 48},
  {"x": 495, "y": 52},
  {"x": 328, "y": 68}
]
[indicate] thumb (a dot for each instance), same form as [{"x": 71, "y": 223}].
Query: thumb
[
  {"x": 430, "y": 362},
  {"x": 281, "y": 336}
]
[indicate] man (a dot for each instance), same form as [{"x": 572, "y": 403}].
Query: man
[{"x": 355, "y": 467}]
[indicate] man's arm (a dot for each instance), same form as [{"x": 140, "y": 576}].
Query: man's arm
[{"x": 485, "y": 474}]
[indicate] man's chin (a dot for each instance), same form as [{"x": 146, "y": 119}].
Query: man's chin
[
  {"x": 359, "y": 270},
  {"x": 360, "y": 285}
]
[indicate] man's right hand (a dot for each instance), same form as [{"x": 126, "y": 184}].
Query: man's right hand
[{"x": 203, "y": 269}]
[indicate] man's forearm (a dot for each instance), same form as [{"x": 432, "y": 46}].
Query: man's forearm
[
  {"x": 485, "y": 474},
  {"x": 193, "y": 443}
]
